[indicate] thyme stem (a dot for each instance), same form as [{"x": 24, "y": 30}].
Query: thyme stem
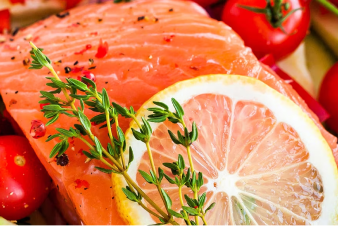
[
  {"x": 86, "y": 142},
  {"x": 149, "y": 210},
  {"x": 135, "y": 120},
  {"x": 181, "y": 201},
  {"x": 116, "y": 119},
  {"x": 158, "y": 185},
  {"x": 204, "y": 221},
  {"x": 145, "y": 196},
  {"x": 107, "y": 163}
]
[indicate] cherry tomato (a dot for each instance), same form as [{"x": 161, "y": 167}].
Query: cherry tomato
[
  {"x": 205, "y": 3},
  {"x": 5, "y": 21},
  {"x": 18, "y": 1},
  {"x": 276, "y": 36},
  {"x": 328, "y": 96},
  {"x": 24, "y": 183},
  {"x": 71, "y": 3}
]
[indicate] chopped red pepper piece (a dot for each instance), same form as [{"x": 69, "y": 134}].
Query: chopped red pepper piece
[
  {"x": 5, "y": 20},
  {"x": 84, "y": 50},
  {"x": 42, "y": 105},
  {"x": 80, "y": 152},
  {"x": 81, "y": 183},
  {"x": 168, "y": 38},
  {"x": 312, "y": 103},
  {"x": 102, "y": 50},
  {"x": 77, "y": 69}
]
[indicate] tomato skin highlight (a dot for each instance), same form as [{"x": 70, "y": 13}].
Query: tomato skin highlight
[
  {"x": 328, "y": 96},
  {"x": 260, "y": 35},
  {"x": 24, "y": 183}
]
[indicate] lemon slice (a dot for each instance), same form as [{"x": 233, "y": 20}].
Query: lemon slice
[{"x": 263, "y": 159}]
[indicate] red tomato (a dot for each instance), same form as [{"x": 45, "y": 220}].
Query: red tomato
[
  {"x": 5, "y": 21},
  {"x": 328, "y": 96},
  {"x": 259, "y": 34},
  {"x": 18, "y": 1},
  {"x": 205, "y": 3},
  {"x": 335, "y": 2},
  {"x": 24, "y": 183},
  {"x": 72, "y": 3}
]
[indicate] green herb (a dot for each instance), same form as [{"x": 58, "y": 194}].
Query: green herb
[{"x": 113, "y": 155}]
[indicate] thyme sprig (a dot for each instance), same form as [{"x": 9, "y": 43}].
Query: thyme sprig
[{"x": 85, "y": 93}]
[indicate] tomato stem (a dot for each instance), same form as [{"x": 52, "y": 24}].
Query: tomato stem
[{"x": 274, "y": 12}]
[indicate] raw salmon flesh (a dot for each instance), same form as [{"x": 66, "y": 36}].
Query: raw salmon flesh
[{"x": 152, "y": 44}]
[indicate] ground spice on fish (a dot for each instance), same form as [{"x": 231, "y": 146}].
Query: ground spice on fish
[
  {"x": 62, "y": 15},
  {"x": 67, "y": 70},
  {"x": 62, "y": 160}
]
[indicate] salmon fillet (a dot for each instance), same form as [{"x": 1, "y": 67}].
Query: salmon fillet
[{"x": 152, "y": 44}]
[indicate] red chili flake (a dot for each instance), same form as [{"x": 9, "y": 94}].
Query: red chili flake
[
  {"x": 168, "y": 38},
  {"x": 81, "y": 183},
  {"x": 77, "y": 69},
  {"x": 195, "y": 207},
  {"x": 38, "y": 129},
  {"x": 36, "y": 39},
  {"x": 194, "y": 68},
  {"x": 94, "y": 123},
  {"x": 102, "y": 50},
  {"x": 42, "y": 105},
  {"x": 80, "y": 152},
  {"x": 84, "y": 50},
  {"x": 8, "y": 47},
  {"x": 72, "y": 141},
  {"x": 74, "y": 25},
  {"x": 121, "y": 54},
  {"x": 93, "y": 33},
  {"x": 12, "y": 101}
]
